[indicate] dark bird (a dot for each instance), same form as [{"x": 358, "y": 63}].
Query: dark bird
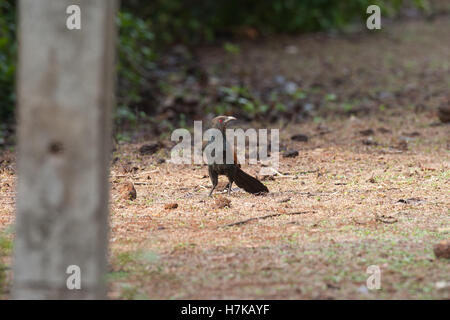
[{"x": 233, "y": 171}]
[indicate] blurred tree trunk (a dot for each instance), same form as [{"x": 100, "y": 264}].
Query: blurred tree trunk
[{"x": 65, "y": 95}]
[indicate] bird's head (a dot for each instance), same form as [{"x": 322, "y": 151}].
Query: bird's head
[{"x": 221, "y": 122}]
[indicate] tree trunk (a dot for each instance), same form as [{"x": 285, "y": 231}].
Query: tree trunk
[{"x": 65, "y": 95}]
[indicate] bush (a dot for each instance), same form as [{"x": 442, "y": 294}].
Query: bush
[
  {"x": 8, "y": 50},
  {"x": 192, "y": 21},
  {"x": 145, "y": 30},
  {"x": 136, "y": 56}
]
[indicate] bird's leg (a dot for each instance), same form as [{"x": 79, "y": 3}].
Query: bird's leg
[
  {"x": 230, "y": 183},
  {"x": 212, "y": 189},
  {"x": 214, "y": 179}
]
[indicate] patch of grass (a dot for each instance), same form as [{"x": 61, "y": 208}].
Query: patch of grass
[{"x": 6, "y": 246}]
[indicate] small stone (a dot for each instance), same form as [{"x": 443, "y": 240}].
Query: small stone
[
  {"x": 299, "y": 137},
  {"x": 369, "y": 142},
  {"x": 222, "y": 202},
  {"x": 402, "y": 145},
  {"x": 290, "y": 154},
  {"x": 368, "y": 132},
  {"x": 444, "y": 113},
  {"x": 127, "y": 191},
  {"x": 442, "y": 249},
  {"x": 170, "y": 206},
  {"x": 384, "y": 130}
]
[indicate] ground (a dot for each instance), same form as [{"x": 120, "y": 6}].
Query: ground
[{"x": 369, "y": 187}]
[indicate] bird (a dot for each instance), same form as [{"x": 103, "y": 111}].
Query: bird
[{"x": 233, "y": 171}]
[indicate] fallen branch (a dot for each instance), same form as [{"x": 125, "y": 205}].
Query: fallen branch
[
  {"x": 279, "y": 174},
  {"x": 385, "y": 219},
  {"x": 263, "y": 217}
]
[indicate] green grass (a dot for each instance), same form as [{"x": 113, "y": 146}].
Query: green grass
[{"x": 6, "y": 246}]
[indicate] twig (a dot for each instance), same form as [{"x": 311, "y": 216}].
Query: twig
[
  {"x": 263, "y": 217},
  {"x": 278, "y": 174},
  {"x": 285, "y": 176},
  {"x": 147, "y": 172},
  {"x": 388, "y": 220}
]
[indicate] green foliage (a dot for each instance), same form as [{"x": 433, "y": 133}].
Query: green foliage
[
  {"x": 231, "y": 48},
  {"x": 147, "y": 29},
  {"x": 136, "y": 58},
  {"x": 5, "y": 250},
  {"x": 8, "y": 50},
  {"x": 192, "y": 21}
]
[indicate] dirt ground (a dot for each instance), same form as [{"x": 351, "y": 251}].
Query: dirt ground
[{"x": 368, "y": 188}]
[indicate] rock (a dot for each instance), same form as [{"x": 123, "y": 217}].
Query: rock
[
  {"x": 442, "y": 249},
  {"x": 384, "y": 130},
  {"x": 444, "y": 113},
  {"x": 127, "y": 191},
  {"x": 150, "y": 148},
  {"x": 402, "y": 145},
  {"x": 368, "y": 132},
  {"x": 222, "y": 202},
  {"x": 369, "y": 142},
  {"x": 442, "y": 285},
  {"x": 299, "y": 137},
  {"x": 372, "y": 180},
  {"x": 170, "y": 206},
  {"x": 290, "y": 154}
]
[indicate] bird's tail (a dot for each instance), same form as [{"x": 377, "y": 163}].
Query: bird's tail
[{"x": 249, "y": 183}]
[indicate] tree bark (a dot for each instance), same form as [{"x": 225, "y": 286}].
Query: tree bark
[{"x": 65, "y": 95}]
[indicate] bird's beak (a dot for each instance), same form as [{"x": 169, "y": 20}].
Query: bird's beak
[{"x": 228, "y": 119}]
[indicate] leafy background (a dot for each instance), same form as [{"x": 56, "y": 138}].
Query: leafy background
[{"x": 148, "y": 30}]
